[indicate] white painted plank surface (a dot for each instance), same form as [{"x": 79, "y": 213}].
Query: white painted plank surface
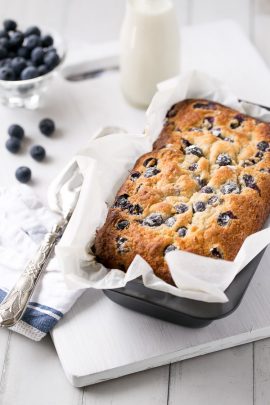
[
  {"x": 262, "y": 372},
  {"x": 213, "y": 10},
  {"x": 223, "y": 378},
  {"x": 36, "y": 12},
  {"x": 122, "y": 342},
  {"x": 146, "y": 388},
  {"x": 33, "y": 375},
  {"x": 262, "y": 28},
  {"x": 4, "y": 343}
]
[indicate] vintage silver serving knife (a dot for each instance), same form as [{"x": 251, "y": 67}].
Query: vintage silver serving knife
[{"x": 15, "y": 303}]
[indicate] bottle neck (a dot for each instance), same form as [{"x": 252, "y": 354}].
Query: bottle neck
[{"x": 150, "y": 6}]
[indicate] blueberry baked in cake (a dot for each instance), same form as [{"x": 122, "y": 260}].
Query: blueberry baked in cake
[{"x": 203, "y": 188}]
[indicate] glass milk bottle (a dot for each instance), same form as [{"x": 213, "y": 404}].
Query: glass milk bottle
[{"x": 149, "y": 48}]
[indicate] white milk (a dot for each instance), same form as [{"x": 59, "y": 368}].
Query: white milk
[{"x": 149, "y": 48}]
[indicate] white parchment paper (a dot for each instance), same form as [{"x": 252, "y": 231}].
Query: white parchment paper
[{"x": 100, "y": 169}]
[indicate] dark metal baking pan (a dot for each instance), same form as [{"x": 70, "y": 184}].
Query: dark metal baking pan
[{"x": 183, "y": 311}]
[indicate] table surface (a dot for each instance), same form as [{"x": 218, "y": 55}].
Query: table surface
[{"x": 30, "y": 372}]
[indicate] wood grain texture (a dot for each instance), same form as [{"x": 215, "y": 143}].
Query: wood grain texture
[
  {"x": 223, "y": 378},
  {"x": 151, "y": 342},
  {"x": 148, "y": 387},
  {"x": 4, "y": 350},
  {"x": 262, "y": 372},
  {"x": 33, "y": 375}
]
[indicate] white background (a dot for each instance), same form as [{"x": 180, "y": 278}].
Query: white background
[{"x": 30, "y": 373}]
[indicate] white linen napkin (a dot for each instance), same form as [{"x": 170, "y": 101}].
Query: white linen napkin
[{"x": 24, "y": 221}]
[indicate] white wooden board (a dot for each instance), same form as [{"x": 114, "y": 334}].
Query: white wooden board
[{"x": 99, "y": 340}]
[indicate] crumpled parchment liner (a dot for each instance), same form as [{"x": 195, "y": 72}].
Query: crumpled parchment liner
[{"x": 102, "y": 167}]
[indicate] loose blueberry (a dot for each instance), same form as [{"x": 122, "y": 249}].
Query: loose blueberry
[
  {"x": 207, "y": 190},
  {"x": 199, "y": 206},
  {"x": 216, "y": 253},
  {"x": 32, "y": 31},
  {"x": 18, "y": 64},
  {"x": 16, "y": 131},
  {"x": 212, "y": 200},
  {"x": 13, "y": 145},
  {"x": 42, "y": 70},
  {"x": 23, "y": 174},
  {"x": 194, "y": 150},
  {"x": 193, "y": 167},
  {"x": 51, "y": 60},
  {"x": 169, "y": 248},
  {"x": 181, "y": 208},
  {"x": 4, "y": 43},
  {"x": 151, "y": 171},
  {"x": 150, "y": 162},
  {"x": 134, "y": 176},
  {"x": 182, "y": 231},
  {"x": 122, "y": 224},
  {"x": 250, "y": 182},
  {"x": 3, "y": 53},
  {"x": 170, "y": 221},
  {"x": 229, "y": 188},
  {"x": 153, "y": 220},
  {"x": 47, "y": 126},
  {"x": 16, "y": 40},
  {"x": 135, "y": 209},
  {"x": 6, "y": 73},
  {"x": 47, "y": 41},
  {"x": 38, "y": 153},
  {"x": 32, "y": 41},
  {"x": 237, "y": 121},
  {"x": 10, "y": 25},
  {"x": 122, "y": 201},
  {"x": 30, "y": 72},
  {"x": 37, "y": 56},
  {"x": 172, "y": 112},
  {"x": 263, "y": 146},
  {"x": 223, "y": 159},
  {"x": 225, "y": 217}
]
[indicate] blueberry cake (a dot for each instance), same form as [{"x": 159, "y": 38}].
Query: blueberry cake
[{"x": 203, "y": 188}]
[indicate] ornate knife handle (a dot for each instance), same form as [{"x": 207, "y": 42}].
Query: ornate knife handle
[{"x": 15, "y": 303}]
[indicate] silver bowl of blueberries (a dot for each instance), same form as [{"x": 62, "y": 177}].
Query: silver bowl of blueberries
[{"x": 29, "y": 59}]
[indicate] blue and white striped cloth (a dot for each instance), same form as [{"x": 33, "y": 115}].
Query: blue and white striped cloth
[{"x": 23, "y": 223}]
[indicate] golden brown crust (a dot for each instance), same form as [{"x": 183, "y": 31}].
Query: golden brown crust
[{"x": 204, "y": 188}]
